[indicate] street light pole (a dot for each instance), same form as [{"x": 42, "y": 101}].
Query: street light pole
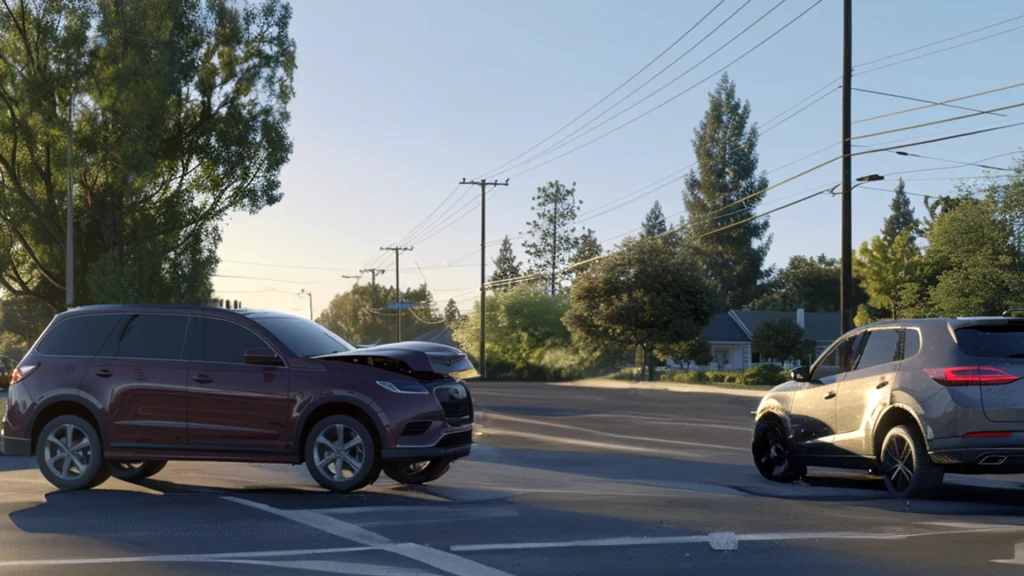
[
  {"x": 846, "y": 265},
  {"x": 310, "y": 295}
]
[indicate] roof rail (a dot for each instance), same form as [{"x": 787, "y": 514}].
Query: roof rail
[{"x": 1012, "y": 310}]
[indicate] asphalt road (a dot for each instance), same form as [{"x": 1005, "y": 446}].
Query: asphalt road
[{"x": 564, "y": 480}]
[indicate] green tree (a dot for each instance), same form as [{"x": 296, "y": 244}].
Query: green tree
[
  {"x": 901, "y": 216},
  {"x": 180, "y": 119},
  {"x": 886, "y": 269},
  {"x": 646, "y": 295},
  {"x": 587, "y": 248},
  {"x": 973, "y": 252},
  {"x": 452, "y": 314},
  {"x": 654, "y": 223},
  {"x": 506, "y": 266},
  {"x": 552, "y": 238},
  {"x": 808, "y": 282},
  {"x": 353, "y": 315},
  {"x": 697, "y": 350},
  {"x": 781, "y": 339},
  {"x": 725, "y": 144}
]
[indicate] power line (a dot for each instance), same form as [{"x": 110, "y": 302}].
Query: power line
[
  {"x": 954, "y": 167},
  {"x": 986, "y": 166},
  {"x": 932, "y": 53},
  {"x": 928, "y": 45},
  {"x": 933, "y": 104},
  {"x": 664, "y": 86},
  {"x": 912, "y": 99},
  {"x": 623, "y": 85},
  {"x": 671, "y": 99},
  {"x": 935, "y": 122},
  {"x": 234, "y": 277}
]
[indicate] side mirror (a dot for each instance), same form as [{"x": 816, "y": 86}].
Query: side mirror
[
  {"x": 262, "y": 357},
  {"x": 800, "y": 373}
]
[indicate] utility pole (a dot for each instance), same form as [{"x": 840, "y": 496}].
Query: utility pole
[
  {"x": 483, "y": 266},
  {"x": 373, "y": 280},
  {"x": 846, "y": 273},
  {"x": 310, "y": 295},
  {"x": 554, "y": 245},
  {"x": 69, "y": 256},
  {"x": 398, "y": 290}
]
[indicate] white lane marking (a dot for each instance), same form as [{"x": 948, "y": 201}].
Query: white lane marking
[
  {"x": 673, "y": 421},
  {"x": 331, "y": 567},
  {"x": 442, "y": 518},
  {"x": 1018, "y": 555},
  {"x": 663, "y": 386},
  {"x": 701, "y": 539},
  {"x": 596, "y": 543},
  {"x": 723, "y": 541},
  {"x": 436, "y": 558},
  {"x": 550, "y": 439},
  {"x": 181, "y": 557},
  {"x": 492, "y": 416}
]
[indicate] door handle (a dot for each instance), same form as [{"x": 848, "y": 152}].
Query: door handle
[
  {"x": 202, "y": 379},
  {"x": 830, "y": 394},
  {"x": 104, "y": 373},
  {"x": 882, "y": 384}
]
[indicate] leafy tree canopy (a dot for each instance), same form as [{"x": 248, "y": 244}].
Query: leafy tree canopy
[{"x": 358, "y": 317}]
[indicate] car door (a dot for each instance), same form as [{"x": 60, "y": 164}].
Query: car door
[
  {"x": 813, "y": 416},
  {"x": 862, "y": 390},
  {"x": 140, "y": 375},
  {"x": 233, "y": 405}
]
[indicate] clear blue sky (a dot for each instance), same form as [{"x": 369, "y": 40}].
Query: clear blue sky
[{"x": 398, "y": 100}]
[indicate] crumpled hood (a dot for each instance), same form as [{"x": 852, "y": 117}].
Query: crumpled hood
[{"x": 421, "y": 357}]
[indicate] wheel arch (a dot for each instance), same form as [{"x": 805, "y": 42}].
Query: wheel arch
[
  {"x": 60, "y": 405},
  {"x": 332, "y": 406},
  {"x": 895, "y": 415}
]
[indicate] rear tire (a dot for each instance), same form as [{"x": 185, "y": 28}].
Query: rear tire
[
  {"x": 772, "y": 453},
  {"x": 135, "y": 471},
  {"x": 70, "y": 454},
  {"x": 905, "y": 466},
  {"x": 417, "y": 472},
  {"x": 341, "y": 454}
]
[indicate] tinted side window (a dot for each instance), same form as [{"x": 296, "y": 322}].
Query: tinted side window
[
  {"x": 225, "y": 341},
  {"x": 882, "y": 347},
  {"x": 80, "y": 336},
  {"x": 153, "y": 336}
]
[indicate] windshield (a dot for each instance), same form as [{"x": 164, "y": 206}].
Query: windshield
[{"x": 304, "y": 337}]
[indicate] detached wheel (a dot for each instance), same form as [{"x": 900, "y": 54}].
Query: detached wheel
[
  {"x": 70, "y": 454},
  {"x": 417, "y": 472},
  {"x": 341, "y": 454},
  {"x": 135, "y": 471},
  {"x": 771, "y": 451},
  {"x": 905, "y": 466}
]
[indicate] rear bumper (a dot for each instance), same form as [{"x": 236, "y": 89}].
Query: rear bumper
[
  {"x": 11, "y": 446},
  {"x": 979, "y": 455}
]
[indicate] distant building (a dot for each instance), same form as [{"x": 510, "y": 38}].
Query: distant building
[{"x": 729, "y": 334}]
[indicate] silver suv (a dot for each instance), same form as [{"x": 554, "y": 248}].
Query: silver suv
[{"x": 908, "y": 399}]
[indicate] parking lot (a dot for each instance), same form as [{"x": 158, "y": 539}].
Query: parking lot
[{"x": 563, "y": 480}]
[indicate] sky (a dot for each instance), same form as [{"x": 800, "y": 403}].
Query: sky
[{"x": 398, "y": 101}]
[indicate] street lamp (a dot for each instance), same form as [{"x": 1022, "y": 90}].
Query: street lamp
[
  {"x": 69, "y": 252},
  {"x": 846, "y": 268},
  {"x": 860, "y": 181}
]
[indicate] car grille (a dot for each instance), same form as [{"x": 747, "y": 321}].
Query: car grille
[
  {"x": 455, "y": 439},
  {"x": 457, "y": 408}
]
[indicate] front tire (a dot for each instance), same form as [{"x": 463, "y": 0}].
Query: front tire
[
  {"x": 341, "y": 454},
  {"x": 417, "y": 472},
  {"x": 772, "y": 454},
  {"x": 70, "y": 454},
  {"x": 906, "y": 468},
  {"x": 135, "y": 471}
]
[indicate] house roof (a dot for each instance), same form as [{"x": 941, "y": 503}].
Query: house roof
[{"x": 818, "y": 326}]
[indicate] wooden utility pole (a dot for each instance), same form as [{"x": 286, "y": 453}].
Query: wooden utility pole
[
  {"x": 398, "y": 289},
  {"x": 373, "y": 280},
  {"x": 483, "y": 266},
  {"x": 846, "y": 267}
]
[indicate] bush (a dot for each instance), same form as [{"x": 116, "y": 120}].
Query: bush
[
  {"x": 717, "y": 377},
  {"x": 763, "y": 375}
]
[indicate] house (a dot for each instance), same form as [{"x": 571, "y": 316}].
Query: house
[{"x": 729, "y": 334}]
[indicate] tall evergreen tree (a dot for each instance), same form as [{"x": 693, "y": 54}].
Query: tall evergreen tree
[
  {"x": 588, "y": 248},
  {"x": 900, "y": 218},
  {"x": 654, "y": 222},
  {"x": 552, "y": 233},
  {"x": 452, "y": 314},
  {"x": 725, "y": 144},
  {"x": 506, "y": 266}
]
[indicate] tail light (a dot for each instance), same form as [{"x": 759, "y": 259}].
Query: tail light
[
  {"x": 971, "y": 376},
  {"x": 22, "y": 371}
]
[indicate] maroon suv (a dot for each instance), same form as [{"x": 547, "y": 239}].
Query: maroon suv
[{"x": 120, "y": 390}]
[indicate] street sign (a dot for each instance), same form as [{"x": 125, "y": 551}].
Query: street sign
[{"x": 395, "y": 305}]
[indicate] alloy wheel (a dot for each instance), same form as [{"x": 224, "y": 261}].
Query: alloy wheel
[
  {"x": 68, "y": 452},
  {"x": 899, "y": 463},
  {"x": 339, "y": 452},
  {"x": 773, "y": 453}
]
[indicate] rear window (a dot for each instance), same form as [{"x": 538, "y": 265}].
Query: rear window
[
  {"x": 78, "y": 336},
  {"x": 992, "y": 341},
  {"x": 153, "y": 337}
]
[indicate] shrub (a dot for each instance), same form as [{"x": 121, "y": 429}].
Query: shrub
[
  {"x": 699, "y": 377},
  {"x": 717, "y": 377},
  {"x": 763, "y": 375}
]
